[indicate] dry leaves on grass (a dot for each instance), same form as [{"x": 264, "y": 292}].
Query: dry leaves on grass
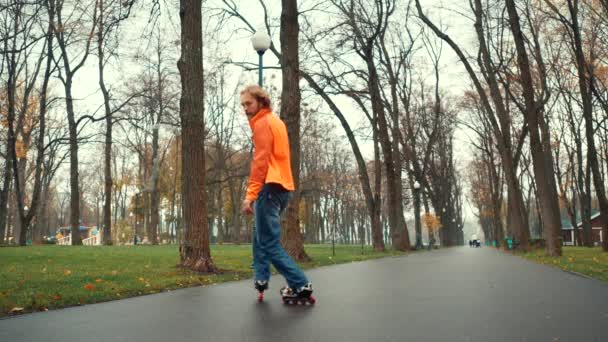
[{"x": 89, "y": 287}]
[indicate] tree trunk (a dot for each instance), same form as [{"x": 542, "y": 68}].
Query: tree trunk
[
  {"x": 6, "y": 183},
  {"x": 585, "y": 204},
  {"x": 107, "y": 205},
  {"x": 153, "y": 187},
  {"x": 290, "y": 112},
  {"x": 74, "y": 176},
  {"x": 195, "y": 252}
]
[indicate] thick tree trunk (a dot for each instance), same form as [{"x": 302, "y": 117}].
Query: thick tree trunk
[
  {"x": 74, "y": 176},
  {"x": 516, "y": 205},
  {"x": 4, "y": 198},
  {"x": 195, "y": 252},
  {"x": 585, "y": 204},
  {"x": 375, "y": 204},
  {"x": 290, "y": 112},
  {"x": 153, "y": 189}
]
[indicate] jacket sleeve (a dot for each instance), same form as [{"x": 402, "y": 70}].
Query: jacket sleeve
[{"x": 262, "y": 142}]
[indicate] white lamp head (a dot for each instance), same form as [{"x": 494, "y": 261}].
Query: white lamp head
[{"x": 260, "y": 41}]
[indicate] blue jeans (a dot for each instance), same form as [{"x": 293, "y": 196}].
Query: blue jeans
[{"x": 267, "y": 248}]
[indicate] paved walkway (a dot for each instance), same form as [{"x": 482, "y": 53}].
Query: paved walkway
[{"x": 457, "y": 294}]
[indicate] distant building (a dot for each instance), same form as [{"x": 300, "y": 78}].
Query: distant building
[
  {"x": 596, "y": 230},
  {"x": 89, "y": 235}
]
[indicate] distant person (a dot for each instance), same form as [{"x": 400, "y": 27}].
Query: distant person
[{"x": 268, "y": 192}]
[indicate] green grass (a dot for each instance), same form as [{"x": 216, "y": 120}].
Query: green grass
[
  {"x": 41, "y": 278},
  {"x": 591, "y": 262}
]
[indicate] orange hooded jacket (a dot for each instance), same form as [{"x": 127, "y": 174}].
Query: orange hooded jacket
[{"x": 271, "y": 160}]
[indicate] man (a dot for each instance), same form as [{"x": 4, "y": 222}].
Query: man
[{"x": 269, "y": 190}]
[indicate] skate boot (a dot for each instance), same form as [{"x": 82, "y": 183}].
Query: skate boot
[
  {"x": 301, "y": 296},
  {"x": 261, "y": 286}
]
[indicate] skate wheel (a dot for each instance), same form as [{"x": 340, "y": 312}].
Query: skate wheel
[
  {"x": 312, "y": 300},
  {"x": 261, "y": 297}
]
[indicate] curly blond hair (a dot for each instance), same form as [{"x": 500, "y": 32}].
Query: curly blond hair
[{"x": 259, "y": 94}]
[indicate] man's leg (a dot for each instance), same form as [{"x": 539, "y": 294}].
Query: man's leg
[
  {"x": 260, "y": 258},
  {"x": 268, "y": 226}
]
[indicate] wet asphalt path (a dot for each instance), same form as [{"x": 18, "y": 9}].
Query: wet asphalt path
[{"x": 457, "y": 294}]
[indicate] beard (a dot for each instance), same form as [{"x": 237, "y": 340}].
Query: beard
[{"x": 250, "y": 114}]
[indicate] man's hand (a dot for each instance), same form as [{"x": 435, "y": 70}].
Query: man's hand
[{"x": 246, "y": 207}]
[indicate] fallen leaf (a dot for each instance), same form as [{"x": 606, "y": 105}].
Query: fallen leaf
[
  {"x": 141, "y": 279},
  {"x": 89, "y": 287},
  {"x": 570, "y": 259},
  {"x": 16, "y": 309},
  {"x": 67, "y": 272},
  {"x": 99, "y": 281},
  {"x": 57, "y": 297},
  {"x": 114, "y": 272}
]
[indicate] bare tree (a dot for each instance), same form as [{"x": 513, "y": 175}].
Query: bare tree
[
  {"x": 540, "y": 143},
  {"x": 586, "y": 75},
  {"x": 111, "y": 14},
  {"x": 497, "y": 113},
  {"x": 21, "y": 117},
  {"x": 194, "y": 249},
  {"x": 369, "y": 28},
  {"x": 66, "y": 36}
]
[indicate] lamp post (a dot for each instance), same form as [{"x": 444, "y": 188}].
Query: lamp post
[
  {"x": 261, "y": 43},
  {"x": 417, "y": 215},
  {"x": 134, "y": 229},
  {"x": 136, "y": 218}
]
